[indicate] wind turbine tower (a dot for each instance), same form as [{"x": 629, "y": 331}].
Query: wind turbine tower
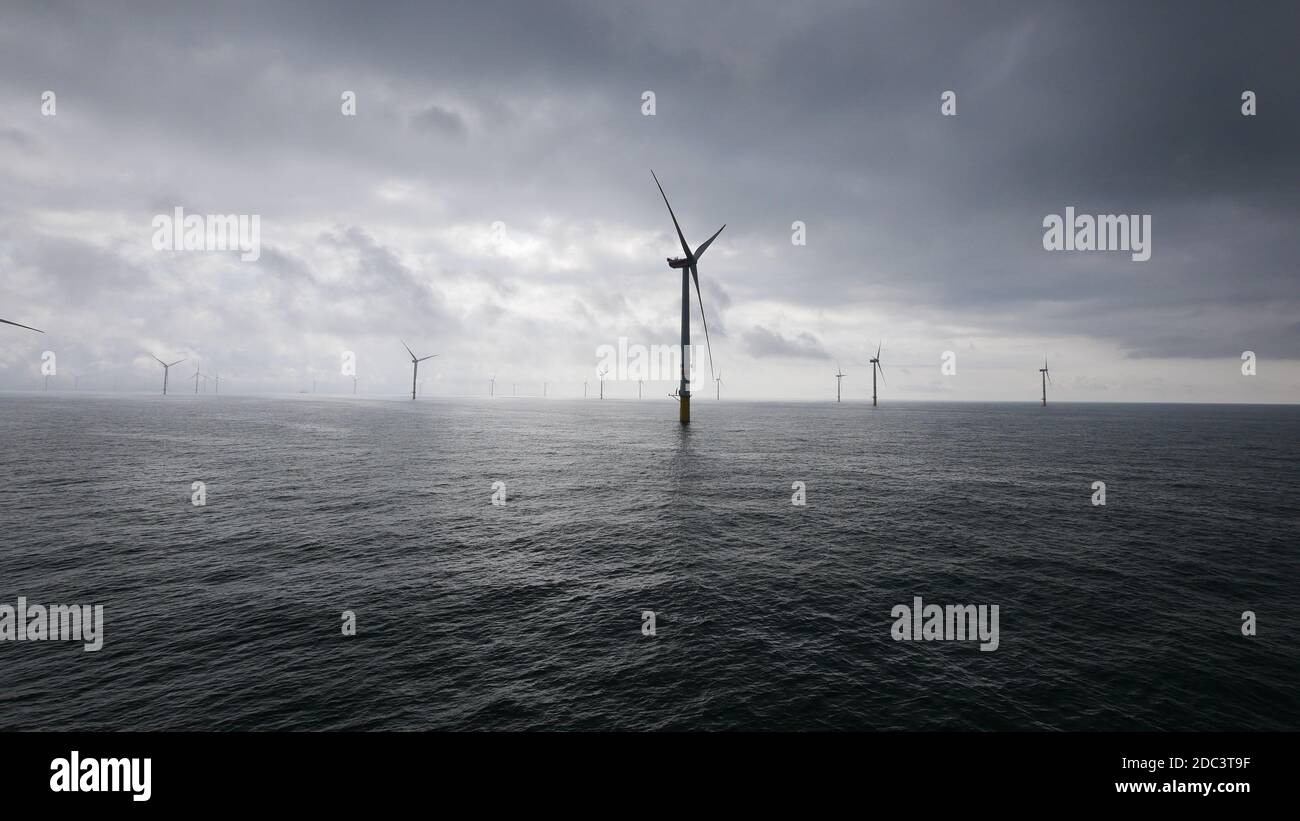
[
  {"x": 839, "y": 375},
  {"x": 415, "y": 366},
  {"x": 690, "y": 271},
  {"x": 198, "y": 376},
  {"x": 166, "y": 368},
  {"x": 717, "y": 381},
  {"x": 1046, "y": 378},
  {"x": 875, "y": 366}
]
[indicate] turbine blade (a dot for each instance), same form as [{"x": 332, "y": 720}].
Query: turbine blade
[
  {"x": 159, "y": 361},
  {"x": 699, "y": 252},
  {"x": 408, "y": 348},
  {"x": 878, "y": 347},
  {"x": 696, "y": 276},
  {"x": 882, "y": 373},
  {"x": 431, "y": 356},
  {"x": 686, "y": 249},
  {"x": 28, "y": 327},
  {"x": 177, "y": 362}
]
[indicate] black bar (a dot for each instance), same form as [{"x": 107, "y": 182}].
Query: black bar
[{"x": 333, "y": 770}]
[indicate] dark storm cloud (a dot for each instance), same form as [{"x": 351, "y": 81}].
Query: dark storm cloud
[
  {"x": 439, "y": 121},
  {"x": 767, "y": 113},
  {"x": 762, "y": 342}
]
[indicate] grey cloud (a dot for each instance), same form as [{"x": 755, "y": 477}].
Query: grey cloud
[
  {"x": 438, "y": 120},
  {"x": 762, "y": 343}
]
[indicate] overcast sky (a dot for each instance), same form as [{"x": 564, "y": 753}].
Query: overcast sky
[{"x": 923, "y": 230}]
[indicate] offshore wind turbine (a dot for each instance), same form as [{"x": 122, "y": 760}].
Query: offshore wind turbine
[
  {"x": 839, "y": 375},
  {"x": 1047, "y": 377},
  {"x": 415, "y": 366},
  {"x": 28, "y": 327},
  {"x": 717, "y": 381},
  {"x": 602, "y": 382},
  {"x": 196, "y": 376},
  {"x": 166, "y": 367},
  {"x": 688, "y": 266},
  {"x": 875, "y": 366},
  {"x": 638, "y": 388}
]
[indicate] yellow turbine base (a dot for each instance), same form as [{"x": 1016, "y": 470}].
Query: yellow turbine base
[{"x": 684, "y": 411}]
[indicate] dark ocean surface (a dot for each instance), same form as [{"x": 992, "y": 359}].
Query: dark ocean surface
[{"x": 528, "y": 615}]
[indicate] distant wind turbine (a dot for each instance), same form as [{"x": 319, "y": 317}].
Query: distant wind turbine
[
  {"x": 602, "y": 382},
  {"x": 196, "y": 376},
  {"x": 875, "y": 366},
  {"x": 839, "y": 375},
  {"x": 688, "y": 265},
  {"x": 718, "y": 384},
  {"x": 28, "y": 327},
  {"x": 584, "y": 389},
  {"x": 492, "y": 385},
  {"x": 638, "y": 388},
  {"x": 1047, "y": 377},
  {"x": 218, "y": 384},
  {"x": 415, "y": 366},
  {"x": 166, "y": 368}
]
